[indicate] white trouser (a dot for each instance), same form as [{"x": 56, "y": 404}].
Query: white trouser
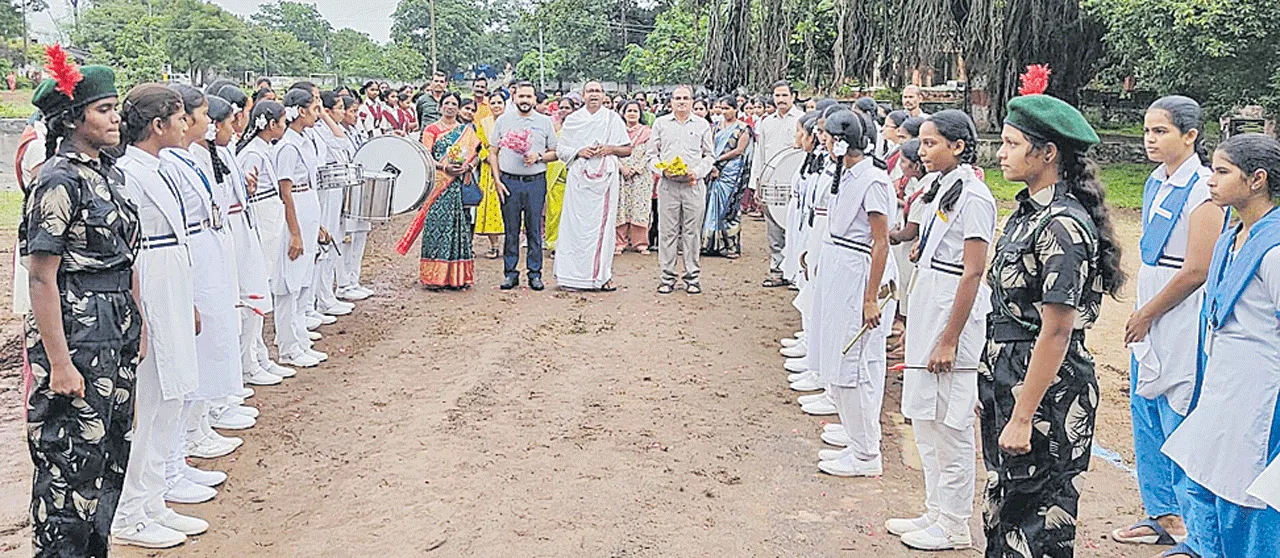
[
  {"x": 250, "y": 337},
  {"x": 326, "y": 276},
  {"x": 157, "y": 425},
  {"x": 307, "y": 297},
  {"x": 291, "y": 325},
  {"x": 353, "y": 260},
  {"x": 859, "y": 409},
  {"x": 948, "y": 458},
  {"x": 188, "y": 429},
  {"x": 260, "y": 352}
]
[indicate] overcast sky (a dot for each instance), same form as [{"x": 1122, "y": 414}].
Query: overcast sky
[{"x": 370, "y": 16}]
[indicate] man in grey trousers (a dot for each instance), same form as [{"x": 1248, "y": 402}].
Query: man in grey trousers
[
  {"x": 682, "y": 198},
  {"x": 776, "y": 132}
]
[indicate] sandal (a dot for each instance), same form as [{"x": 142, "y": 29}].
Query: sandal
[
  {"x": 1160, "y": 536},
  {"x": 492, "y": 254},
  {"x": 692, "y": 288},
  {"x": 665, "y": 288},
  {"x": 773, "y": 282},
  {"x": 1180, "y": 548},
  {"x": 607, "y": 287}
]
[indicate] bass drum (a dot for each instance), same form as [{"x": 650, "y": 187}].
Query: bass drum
[
  {"x": 408, "y": 161},
  {"x": 774, "y": 188}
]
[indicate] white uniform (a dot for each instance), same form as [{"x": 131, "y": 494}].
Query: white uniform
[
  {"x": 213, "y": 276},
  {"x": 940, "y": 406},
  {"x": 329, "y": 149},
  {"x": 815, "y": 237},
  {"x": 857, "y": 378},
  {"x": 267, "y": 213},
  {"x": 295, "y": 161},
  {"x": 169, "y": 372},
  {"x": 357, "y": 230}
]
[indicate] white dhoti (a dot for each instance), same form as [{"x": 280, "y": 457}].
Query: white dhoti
[{"x": 588, "y": 220}]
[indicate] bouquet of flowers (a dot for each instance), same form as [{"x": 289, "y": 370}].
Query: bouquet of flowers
[
  {"x": 516, "y": 140},
  {"x": 454, "y": 154},
  {"x": 675, "y": 167}
]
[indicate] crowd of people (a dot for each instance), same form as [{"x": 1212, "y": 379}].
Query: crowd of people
[{"x": 160, "y": 228}]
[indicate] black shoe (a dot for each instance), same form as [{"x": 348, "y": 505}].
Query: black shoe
[
  {"x": 535, "y": 283},
  {"x": 511, "y": 282}
]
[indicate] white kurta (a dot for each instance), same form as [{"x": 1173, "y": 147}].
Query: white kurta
[
  {"x": 584, "y": 247},
  {"x": 251, "y": 268},
  {"x": 796, "y": 226},
  {"x": 815, "y": 237},
  {"x": 1222, "y": 445},
  {"x": 947, "y": 398},
  {"x": 1167, "y": 356},
  {"x": 164, "y": 273},
  {"x": 268, "y": 210},
  {"x": 213, "y": 281},
  {"x": 846, "y": 266},
  {"x": 332, "y": 149},
  {"x": 295, "y": 161}
]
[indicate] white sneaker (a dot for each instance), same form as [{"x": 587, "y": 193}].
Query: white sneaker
[
  {"x": 203, "y": 477},
  {"x": 340, "y": 308},
  {"x": 901, "y": 527},
  {"x": 245, "y": 393},
  {"x": 313, "y": 323},
  {"x": 848, "y": 466},
  {"x": 260, "y": 377},
  {"x": 232, "y": 440},
  {"x": 282, "y": 371},
  {"x": 795, "y": 365},
  {"x": 319, "y": 356},
  {"x": 837, "y": 438},
  {"x": 833, "y": 427},
  {"x": 187, "y": 492},
  {"x": 807, "y": 384},
  {"x": 819, "y": 408},
  {"x": 794, "y": 351},
  {"x": 184, "y": 524},
  {"x": 807, "y": 399},
  {"x": 352, "y": 294},
  {"x": 209, "y": 448},
  {"x": 800, "y": 335},
  {"x": 806, "y": 375},
  {"x": 365, "y": 290},
  {"x": 314, "y": 335},
  {"x": 300, "y": 360},
  {"x": 833, "y": 454},
  {"x": 936, "y": 538},
  {"x": 251, "y": 412},
  {"x": 225, "y": 419},
  {"x": 148, "y": 534},
  {"x": 788, "y": 342}
]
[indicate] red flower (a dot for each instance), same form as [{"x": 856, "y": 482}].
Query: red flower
[
  {"x": 1036, "y": 79},
  {"x": 63, "y": 70}
]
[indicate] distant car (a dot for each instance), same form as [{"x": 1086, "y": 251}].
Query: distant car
[{"x": 183, "y": 79}]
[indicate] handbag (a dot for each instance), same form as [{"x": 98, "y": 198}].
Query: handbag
[{"x": 471, "y": 194}]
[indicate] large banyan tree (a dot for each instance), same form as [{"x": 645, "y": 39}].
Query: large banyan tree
[{"x": 751, "y": 43}]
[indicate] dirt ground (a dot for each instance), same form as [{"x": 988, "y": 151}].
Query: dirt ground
[{"x": 501, "y": 423}]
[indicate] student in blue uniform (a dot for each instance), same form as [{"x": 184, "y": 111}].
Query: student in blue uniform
[
  {"x": 1179, "y": 228},
  {"x": 1233, "y": 429}
]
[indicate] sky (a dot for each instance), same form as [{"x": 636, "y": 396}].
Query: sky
[{"x": 369, "y": 16}]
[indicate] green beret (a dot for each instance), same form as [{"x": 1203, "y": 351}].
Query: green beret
[
  {"x": 1050, "y": 118},
  {"x": 98, "y": 83}
]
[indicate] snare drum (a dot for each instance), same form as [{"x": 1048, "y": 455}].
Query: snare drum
[
  {"x": 371, "y": 199},
  {"x": 774, "y": 188},
  {"x": 336, "y": 176},
  {"x": 408, "y": 161}
]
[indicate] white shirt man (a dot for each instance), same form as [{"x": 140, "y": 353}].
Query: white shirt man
[
  {"x": 682, "y": 199},
  {"x": 591, "y": 140},
  {"x": 777, "y": 132}
]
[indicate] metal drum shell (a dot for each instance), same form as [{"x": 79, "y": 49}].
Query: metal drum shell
[
  {"x": 371, "y": 199},
  {"x": 408, "y": 160},
  {"x": 335, "y": 176}
]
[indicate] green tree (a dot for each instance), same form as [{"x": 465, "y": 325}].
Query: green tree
[
  {"x": 127, "y": 37},
  {"x": 202, "y": 36},
  {"x": 459, "y": 30},
  {"x": 1223, "y": 53},
  {"x": 274, "y": 52},
  {"x": 355, "y": 54},
  {"x": 672, "y": 53},
  {"x": 402, "y": 62},
  {"x": 302, "y": 21}
]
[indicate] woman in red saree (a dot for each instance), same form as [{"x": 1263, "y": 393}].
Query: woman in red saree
[{"x": 447, "y": 260}]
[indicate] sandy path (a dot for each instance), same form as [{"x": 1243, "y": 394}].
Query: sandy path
[{"x": 490, "y": 423}]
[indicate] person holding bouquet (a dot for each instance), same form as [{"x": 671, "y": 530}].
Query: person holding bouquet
[
  {"x": 682, "y": 155},
  {"x": 525, "y": 142}
]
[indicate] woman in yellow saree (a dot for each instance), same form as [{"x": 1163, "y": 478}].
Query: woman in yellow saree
[
  {"x": 557, "y": 173},
  {"x": 489, "y": 212}
]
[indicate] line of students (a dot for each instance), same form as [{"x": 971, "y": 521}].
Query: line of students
[
  {"x": 1010, "y": 348},
  {"x": 151, "y": 271}
]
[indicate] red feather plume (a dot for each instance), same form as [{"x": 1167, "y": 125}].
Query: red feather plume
[
  {"x": 63, "y": 70},
  {"x": 1036, "y": 79}
]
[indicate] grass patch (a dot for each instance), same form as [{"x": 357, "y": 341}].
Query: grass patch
[
  {"x": 10, "y": 210},
  {"x": 11, "y": 110},
  {"x": 1124, "y": 183}
]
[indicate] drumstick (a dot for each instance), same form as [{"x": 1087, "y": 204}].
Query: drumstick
[{"x": 893, "y": 293}]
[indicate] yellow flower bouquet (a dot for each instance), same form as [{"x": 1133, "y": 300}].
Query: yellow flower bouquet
[{"x": 674, "y": 167}]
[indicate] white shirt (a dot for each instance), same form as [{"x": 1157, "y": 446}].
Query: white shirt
[
  {"x": 973, "y": 217},
  {"x": 864, "y": 189},
  {"x": 159, "y": 205},
  {"x": 775, "y": 133},
  {"x": 1222, "y": 444},
  {"x": 295, "y": 159},
  {"x": 1177, "y": 243},
  {"x": 196, "y": 189},
  {"x": 258, "y": 157}
]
